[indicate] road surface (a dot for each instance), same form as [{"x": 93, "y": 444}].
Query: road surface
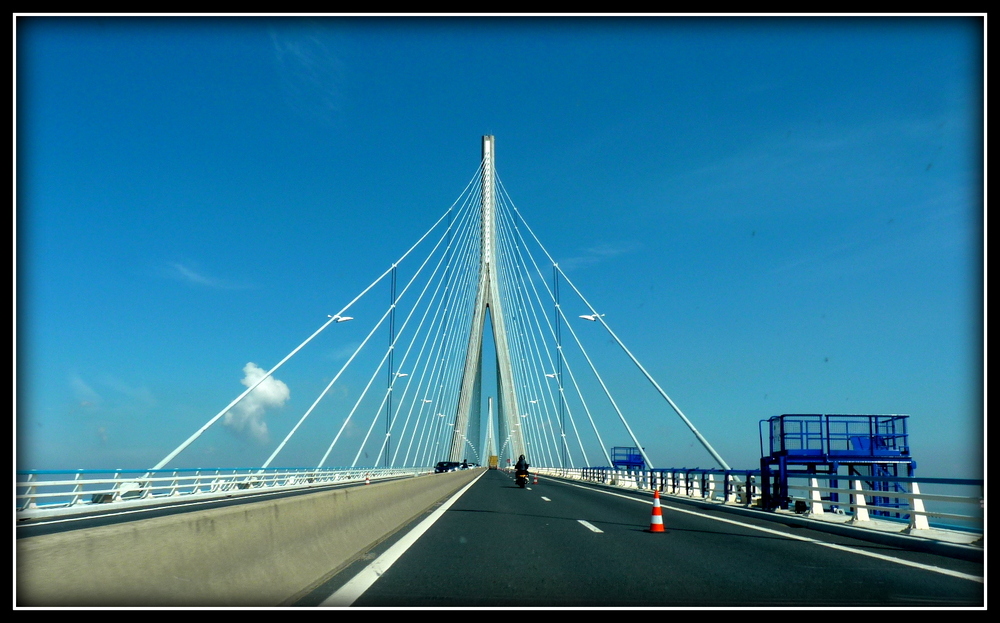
[{"x": 563, "y": 544}]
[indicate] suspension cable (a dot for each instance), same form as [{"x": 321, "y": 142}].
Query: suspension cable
[
  {"x": 569, "y": 368},
  {"x": 600, "y": 318},
  {"x": 531, "y": 333},
  {"x": 323, "y": 460},
  {"x": 388, "y": 354},
  {"x": 691, "y": 426},
  {"x": 460, "y": 281},
  {"x": 523, "y": 335},
  {"x": 201, "y": 430},
  {"x": 392, "y": 419},
  {"x": 434, "y": 301},
  {"x": 268, "y": 374}
]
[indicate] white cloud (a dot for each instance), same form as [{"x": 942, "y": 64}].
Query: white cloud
[
  {"x": 344, "y": 352},
  {"x": 247, "y": 417},
  {"x": 187, "y": 274},
  {"x": 599, "y": 253},
  {"x": 85, "y": 395},
  {"x": 312, "y": 74},
  {"x": 139, "y": 395}
]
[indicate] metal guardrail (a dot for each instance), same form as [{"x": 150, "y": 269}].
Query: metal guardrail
[
  {"x": 892, "y": 498},
  {"x": 46, "y": 494},
  {"x": 733, "y": 486},
  {"x": 860, "y": 498}
]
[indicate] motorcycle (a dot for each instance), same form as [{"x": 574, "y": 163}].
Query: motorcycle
[{"x": 521, "y": 477}]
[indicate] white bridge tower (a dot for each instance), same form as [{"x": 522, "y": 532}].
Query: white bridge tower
[{"x": 509, "y": 438}]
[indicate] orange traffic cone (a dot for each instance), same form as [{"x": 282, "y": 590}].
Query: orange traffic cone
[
  {"x": 656, "y": 523},
  {"x": 367, "y": 480},
  {"x": 535, "y": 481}
]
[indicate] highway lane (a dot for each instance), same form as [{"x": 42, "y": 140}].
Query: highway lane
[{"x": 562, "y": 544}]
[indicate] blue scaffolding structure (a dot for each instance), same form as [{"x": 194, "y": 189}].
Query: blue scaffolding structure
[
  {"x": 863, "y": 445},
  {"x": 629, "y": 458}
]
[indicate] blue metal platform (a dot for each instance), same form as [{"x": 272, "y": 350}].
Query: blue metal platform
[{"x": 801, "y": 444}]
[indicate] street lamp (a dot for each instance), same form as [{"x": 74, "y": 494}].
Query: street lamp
[
  {"x": 249, "y": 389},
  {"x": 591, "y": 317}
]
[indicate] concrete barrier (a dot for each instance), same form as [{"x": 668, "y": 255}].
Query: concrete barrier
[{"x": 255, "y": 554}]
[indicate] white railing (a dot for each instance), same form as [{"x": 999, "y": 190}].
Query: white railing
[
  {"x": 947, "y": 502},
  {"x": 917, "y": 503},
  {"x": 44, "y": 494},
  {"x": 727, "y": 486}
]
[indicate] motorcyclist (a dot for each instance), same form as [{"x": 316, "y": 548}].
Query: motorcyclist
[
  {"x": 521, "y": 472},
  {"x": 522, "y": 465}
]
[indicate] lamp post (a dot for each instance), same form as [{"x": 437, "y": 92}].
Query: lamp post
[
  {"x": 704, "y": 442},
  {"x": 198, "y": 433}
]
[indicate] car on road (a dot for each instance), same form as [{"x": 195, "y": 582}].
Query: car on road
[{"x": 447, "y": 466}]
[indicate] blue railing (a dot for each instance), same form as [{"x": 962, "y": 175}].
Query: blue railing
[
  {"x": 843, "y": 436},
  {"x": 736, "y": 486}
]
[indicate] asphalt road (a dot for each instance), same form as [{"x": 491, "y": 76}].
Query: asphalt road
[{"x": 562, "y": 544}]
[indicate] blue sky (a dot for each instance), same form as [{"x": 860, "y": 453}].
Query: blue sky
[{"x": 777, "y": 215}]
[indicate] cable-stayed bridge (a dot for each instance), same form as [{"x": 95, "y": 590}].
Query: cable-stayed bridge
[
  {"x": 473, "y": 360},
  {"x": 474, "y": 283}
]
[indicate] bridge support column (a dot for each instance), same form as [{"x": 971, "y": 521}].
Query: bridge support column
[
  {"x": 918, "y": 520},
  {"x": 488, "y": 299},
  {"x": 816, "y": 499},
  {"x": 860, "y": 508}
]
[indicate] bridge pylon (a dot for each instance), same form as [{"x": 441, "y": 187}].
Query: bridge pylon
[{"x": 487, "y": 300}]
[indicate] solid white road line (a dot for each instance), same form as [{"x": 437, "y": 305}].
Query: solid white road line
[
  {"x": 844, "y": 548},
  {"x": 591, "y": 526},
  {"x": 356, "y": 586}
]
